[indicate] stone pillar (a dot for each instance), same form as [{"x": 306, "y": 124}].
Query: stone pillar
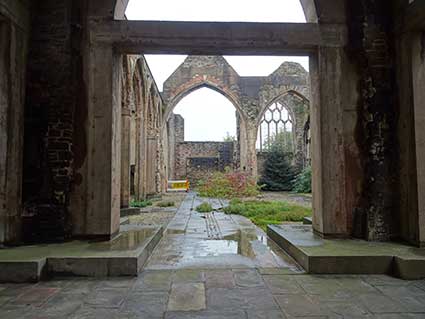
[
  {"x": 12, "y": 87},
  {"x": 300, "y": 111},
  {"x": 248, "y": 152},
  {"x": 418, "y": 80},
  {"x": 411, "y": 135},
  {"x": 125, "y": 157},
  {"x": 335, "y": 166},
  {"x": 140, "y": 155},
  {"x": 104, "y": 146},
  {"x": 151, "y": 163}
]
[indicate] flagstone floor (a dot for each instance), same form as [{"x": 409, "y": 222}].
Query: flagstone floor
[{"x": 216, "y": 266}]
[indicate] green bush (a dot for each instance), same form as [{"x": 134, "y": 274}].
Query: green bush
[
  {"x": 278, "y": 172},
  {"x": 228, "y": 185},
  {"x": 140, "y": 204},
  {"x": 166, "y": 204},
  {"x": 302, "y": 182},
  {"x": 263, "y": 213},
  {"x": 204, "y": 208}
]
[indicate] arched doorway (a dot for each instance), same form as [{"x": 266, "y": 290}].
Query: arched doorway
[{"x": 202, "y": 135}]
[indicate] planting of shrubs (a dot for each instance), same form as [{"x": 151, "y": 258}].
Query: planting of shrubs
[
  {"x": 204, "y": 208},
  {"x": 263, "y": 213},
  {"x": 302, "y": 182},
  {"x": 140, "y": 204},
  {"x": 166, "y": 204},
  {"x": 230, "y": 184}
]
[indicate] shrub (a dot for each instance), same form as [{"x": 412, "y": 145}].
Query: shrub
[
  {"x": 228, "y": 185},
  {"x": 278, "y": 172},
  {"x": 165, "y": 204},
  {"x": 302, "y": 182},
  {"x": 140, "y": 204},
  {"x": 263, "y": 213},
  {"x": 204, "y": 208}
]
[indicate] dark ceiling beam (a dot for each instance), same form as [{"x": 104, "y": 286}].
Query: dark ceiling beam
[
  {"x": 217, "y": 38},
  {"x": 414, "y": 18}
]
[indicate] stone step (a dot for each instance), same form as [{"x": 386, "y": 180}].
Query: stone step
[
  {"x": 348, "y": 256},
  {"x": 125, "y": 255}
]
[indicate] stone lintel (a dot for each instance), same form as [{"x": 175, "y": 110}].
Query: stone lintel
[{"x": 217, "y": 38}]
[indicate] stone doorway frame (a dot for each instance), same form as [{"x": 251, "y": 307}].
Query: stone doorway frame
[{"x": 333, "y": 102}]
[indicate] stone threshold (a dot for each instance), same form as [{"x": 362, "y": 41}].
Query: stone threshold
[
  {"x": 348, "y": 256},
  {"x": 125, "y": 255}
]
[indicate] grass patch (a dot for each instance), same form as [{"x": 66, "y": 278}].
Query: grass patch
[
  {"x": 204, "y": 208},
  {"x": 263, "y": 213},
  {"x": 140, "y": 204},
  {"x": 166, "y": 204}
]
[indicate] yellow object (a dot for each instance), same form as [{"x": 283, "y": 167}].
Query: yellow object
[{"x": 178, "y": 185}]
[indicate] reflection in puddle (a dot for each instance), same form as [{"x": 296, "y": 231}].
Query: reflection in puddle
[
  {"x": 127, "y": 240},
  {"x": 218, "y": 247},
  {"x": 247, "y": 243}
]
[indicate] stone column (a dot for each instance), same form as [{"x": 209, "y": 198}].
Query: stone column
[
  {"x": 12, "y": 87},
  {"x": 151, "y": 163},
  {"x": 125, "y": 157},
  {"x": 418, "y": 80},
  {"x": 248, "y": 152},
  {"x": 140, "y": 155},
  {"x": 300, "y": 113},
  {"x": 335, "y": 166},
  {"x": 104, "y": 145}
]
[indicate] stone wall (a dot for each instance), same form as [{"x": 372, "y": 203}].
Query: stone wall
[
  {"x": 251, "y": 96},
  {"x": 52, "y": 95},
  {"x": 196, "y": 159},
  {"x": 142, "y": 146},
  {"x": 63, "y": 60},
  {"x": 372, "y": 42}
]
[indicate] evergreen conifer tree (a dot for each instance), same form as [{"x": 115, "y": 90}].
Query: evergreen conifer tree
[{"x": 278, "y": 172}]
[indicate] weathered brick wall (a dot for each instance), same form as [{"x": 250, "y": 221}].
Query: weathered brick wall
[
  {"x": 371, "y": 44},
  {"x": 197, "y": 168},
  {"x": 189, "y": 154},
  {"x": 49, "y": 114}
]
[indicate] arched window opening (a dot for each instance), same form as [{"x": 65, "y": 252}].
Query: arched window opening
[
  {"x": 276, "y": 129},
  {"x": 208, "y": 116}
]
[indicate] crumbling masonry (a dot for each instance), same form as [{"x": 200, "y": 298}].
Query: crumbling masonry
[{"x": 83, "y": 127}]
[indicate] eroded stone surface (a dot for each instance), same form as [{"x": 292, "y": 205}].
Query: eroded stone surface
[
  {"x": 187, "y": 297},
  {"x": 282, "y": 296}
]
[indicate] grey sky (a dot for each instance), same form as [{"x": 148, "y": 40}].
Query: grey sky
[{"x": 209, "y": 115}]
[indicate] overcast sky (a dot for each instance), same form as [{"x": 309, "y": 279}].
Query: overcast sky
[{"x": 209, "y": 115}]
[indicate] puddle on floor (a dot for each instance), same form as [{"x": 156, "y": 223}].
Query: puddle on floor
[
  {"x": 250, "y": 248},
  {"x": 218, "y": 247}
]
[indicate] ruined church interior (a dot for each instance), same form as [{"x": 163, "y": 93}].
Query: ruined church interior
[{"x": 102, "y": 185}]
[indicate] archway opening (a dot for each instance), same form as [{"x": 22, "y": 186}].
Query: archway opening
[
  {"x": 202, "y": 133},
  {"x": 208, "y": 115},
  {"x": 276, "y": 128},
  {"x": 284, "y": 143}
]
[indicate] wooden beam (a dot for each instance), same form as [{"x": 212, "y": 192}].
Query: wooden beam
[
  {"x": 414, "y": 18},
  {"x": 217, "y": 38}
]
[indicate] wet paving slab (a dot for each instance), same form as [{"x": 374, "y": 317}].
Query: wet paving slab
[
  {"x": 218, "y": 294},
  {"x": 216, "y": 240},
  {"x": 181, "y": 288}
]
